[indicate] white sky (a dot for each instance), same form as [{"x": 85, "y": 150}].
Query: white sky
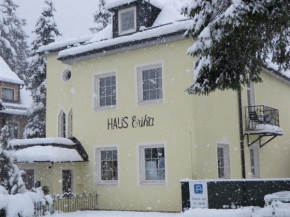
[{"x": 73, "y": 17}]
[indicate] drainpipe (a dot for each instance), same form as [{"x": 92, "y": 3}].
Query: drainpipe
[{"x": 241, "y": 135}]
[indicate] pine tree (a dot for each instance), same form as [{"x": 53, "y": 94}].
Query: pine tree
[
  {"x": 6, "y": 50},
  {"x": 10, "y": 175},
  {"x": 234, "y": 40},
  {"x": 17, "y": 60},
  {"x": 102, "y": 17},
  {"x": 46, "y": 31}
]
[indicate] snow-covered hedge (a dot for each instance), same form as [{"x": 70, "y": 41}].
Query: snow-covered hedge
[{"x": 23, "y": 204}]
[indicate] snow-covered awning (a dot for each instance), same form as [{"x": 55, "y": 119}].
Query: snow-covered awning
[
  {"x": 156, "y": 3},
  {"x": 48, "y": 150}
]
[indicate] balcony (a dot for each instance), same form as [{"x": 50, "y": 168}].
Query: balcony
[{"x": 263, "y": 121}]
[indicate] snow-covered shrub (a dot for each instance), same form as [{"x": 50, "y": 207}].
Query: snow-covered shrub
[{"x": 15, "y": 199}]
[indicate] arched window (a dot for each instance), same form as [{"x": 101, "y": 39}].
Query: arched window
[
  {"x": 62, "y": 124},
  {"x": 70, "y": 124}
]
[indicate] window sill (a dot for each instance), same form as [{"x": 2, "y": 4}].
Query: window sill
[
  {"x": 99, "y": 183},
  {"x": 105, "y": 108},
  {"x": 149, "y": 102},
  {"x": 152, "y": 183}
]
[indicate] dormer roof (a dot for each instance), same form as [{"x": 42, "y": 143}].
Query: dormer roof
[
  {"x": 7, "y": 75},
  {"x": 117, "y": 3}
]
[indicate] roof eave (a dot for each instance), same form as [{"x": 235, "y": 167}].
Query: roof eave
[
  {"x": 275, "y": 74},
  {"x": 123, "y": 47}
]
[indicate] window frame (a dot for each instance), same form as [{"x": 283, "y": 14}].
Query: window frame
[
  {"x": 64, "y": 75},
  {"x": 256, "y": 152},
  {"x": 13, "y": 90},
  {"x": 139, "y": 70},
  {"x": 34, "y": 176},
  {"x": 18, "y": 129},
  {"x": 96, "y": 90},
  {"x": 135, "y": 20},
  {"x": 98, "y": 169},
  {"x": 70, "y": 124},
  {"x": 228, "y": 168},
  {"x": 141, "y": 168},
  {"x": 60, "y": 124},
  {"x": 72, "y": 180}
]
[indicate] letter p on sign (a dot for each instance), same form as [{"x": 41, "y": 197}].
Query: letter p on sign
[{"x": 198, "y": 189}]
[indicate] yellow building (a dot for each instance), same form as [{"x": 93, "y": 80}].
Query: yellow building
[{"x": 121, "y": 93}]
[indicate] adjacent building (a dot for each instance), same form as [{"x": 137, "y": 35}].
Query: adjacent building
[
  {"x": 16, "y": 101},
  {"x": 121, "y": 93}
]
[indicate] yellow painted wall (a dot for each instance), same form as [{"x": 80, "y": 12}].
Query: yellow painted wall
[
  {"x": 190, "y": 126},
  {"x": 173, "y": 123}
]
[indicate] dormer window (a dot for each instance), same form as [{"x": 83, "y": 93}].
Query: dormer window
[{"x": 127, "y": 21}]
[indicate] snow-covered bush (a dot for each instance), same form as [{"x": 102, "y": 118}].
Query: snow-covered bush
[{"x": 15, "y": 199}]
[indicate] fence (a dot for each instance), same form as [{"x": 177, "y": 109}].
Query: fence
[
  {"x": 236, "y": 193},
  {"x": 74, "y": 203}
]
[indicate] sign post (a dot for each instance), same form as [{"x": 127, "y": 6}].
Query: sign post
[{"x": 198, "y": 194}]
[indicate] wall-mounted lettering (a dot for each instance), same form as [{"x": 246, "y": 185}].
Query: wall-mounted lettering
[{"x": 123, "y": 122}]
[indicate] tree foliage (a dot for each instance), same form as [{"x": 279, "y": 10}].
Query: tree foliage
[
  {"x": 102, "y": 17},
  {"x": 15, "y": 53},
  {"x": 46, "y": 31},
  {"x": 10, "y": 175},
  {"x": 235, "y": 39}
]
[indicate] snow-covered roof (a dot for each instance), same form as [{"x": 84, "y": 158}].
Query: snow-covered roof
[
  {"x": 46, "y": 154},
  {"x": 38, "y": 141},
  {"x": 51, "y": 149},
  {"x": 143, "y": 35},
  {"x": 156, "y": 3},
  {"x": 7, "y": 75},
  {"x": 168, "y": 21}
]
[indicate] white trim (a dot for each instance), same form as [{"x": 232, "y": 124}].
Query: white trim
[
  {"x": 141, "y": 176},
  {"x": 228, "y": 168},
  {"x": 256, "y": 149},
  {"x": 119, "y": 21},
  {"x": 73, "y": 179},
  {"x": 97, "y": 165},
  {"x": 96, "y": 90},
  {"x": 138, "y": 82}
]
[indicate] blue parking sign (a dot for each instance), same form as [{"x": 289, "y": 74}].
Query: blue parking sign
[{"x": 198, "y": 189}]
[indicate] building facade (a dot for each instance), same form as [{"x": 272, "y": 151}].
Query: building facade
[{"x": 121, "y": 93}]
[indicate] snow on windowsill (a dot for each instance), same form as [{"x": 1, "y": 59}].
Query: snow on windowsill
[{"x": 39, "y": 141}]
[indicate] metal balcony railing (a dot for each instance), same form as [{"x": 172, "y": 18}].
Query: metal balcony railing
[{"x": 260, "y": 114}]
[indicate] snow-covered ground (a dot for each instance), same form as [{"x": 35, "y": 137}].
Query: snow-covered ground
[{"x": 280, "y": 209}]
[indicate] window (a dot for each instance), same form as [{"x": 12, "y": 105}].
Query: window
[
  {"x": 150, "y": 87},
  {"x": 70, "y": 124},
  {"x": 255, "y": 161},
  {"x": 152, "y": 164},
  {"x": 28, "y": 178},
  {"x": 105, "y": 91},
  {"x": 67, "y": 182},
  {"x": 13, "y": 128},
  {"x": 66, "y": 75},
  {"x": 223, "y": 157},
  {"x": 127, "y": 21},
  {"x": 107, "y": 165},
  {"x": 7, "y": 94},
  {"x": 62, "y": 124}
]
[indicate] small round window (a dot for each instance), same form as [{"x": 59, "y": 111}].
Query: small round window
[{"x": 66, "y": 75}]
